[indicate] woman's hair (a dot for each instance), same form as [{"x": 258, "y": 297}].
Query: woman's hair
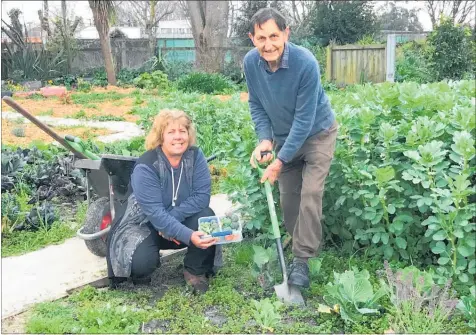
[{"x": 155, "y": 137}]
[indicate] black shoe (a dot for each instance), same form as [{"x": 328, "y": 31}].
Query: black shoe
[{"x": 299, "y": 273}]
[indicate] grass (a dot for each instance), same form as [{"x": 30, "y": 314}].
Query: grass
[
  {"x": 22, "y": 242},
  {"x": 168, "y": 306},
  {"x": 88, "y": 98}
]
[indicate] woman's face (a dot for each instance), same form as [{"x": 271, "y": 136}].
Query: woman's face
[{"x": 175, "y": 139}]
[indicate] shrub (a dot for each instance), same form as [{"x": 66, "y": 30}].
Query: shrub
[
  {"x": 126, "y": 76},
  {"x": 233, "y": 72},
  {"x": 156, "y": 79},
  {"x": 177, "y": 69},
  {"x": 18, "y": 132},
  {"x": 208, "y": 83},
  {"x": 412, "y": 63},
  {"x": 452, "y": 50}
]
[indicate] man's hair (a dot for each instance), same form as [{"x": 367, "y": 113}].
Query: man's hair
[{"x": 265, "y": 14}]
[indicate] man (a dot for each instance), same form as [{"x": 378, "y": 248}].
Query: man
[{"x": 292, "y": 115}]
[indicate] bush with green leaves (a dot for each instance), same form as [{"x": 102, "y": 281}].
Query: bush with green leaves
[
  {"x": 412, "y": 63},
  {"x": 176, "y": 69},
  {"x": 156, "y": 79},
  {"x": 126, "y": 76},
  {"x": 208, "y": 83},
  {"x": 401, "y": 185},
  {"x": 452, "y": 50}
]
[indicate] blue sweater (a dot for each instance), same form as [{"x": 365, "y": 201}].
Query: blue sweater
[
  {"x": 156, "y": 201},
  {"x": 289, "y": 105}
]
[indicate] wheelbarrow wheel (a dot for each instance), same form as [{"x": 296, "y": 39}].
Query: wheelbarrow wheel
[{"x": 98, "y": 217}]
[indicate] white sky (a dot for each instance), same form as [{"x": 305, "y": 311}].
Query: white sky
[{"x": 81, "y": 8}]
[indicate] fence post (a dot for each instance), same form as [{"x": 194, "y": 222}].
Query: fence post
[
  {"x": 329, "y": 63},
  {"x": 390, "y": 53}
]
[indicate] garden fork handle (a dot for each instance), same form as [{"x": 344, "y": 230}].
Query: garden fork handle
[{"x": 9, "y": 101}]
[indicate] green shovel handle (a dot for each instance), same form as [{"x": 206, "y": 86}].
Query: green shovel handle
[{"x": 269, "y": 196}]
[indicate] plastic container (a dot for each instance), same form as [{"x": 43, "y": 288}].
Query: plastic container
[{"x": 227, "y": 229}]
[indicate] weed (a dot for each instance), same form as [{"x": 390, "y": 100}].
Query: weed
[
  {"x": 93, "y": 106},
  {"x": 21, "y": 242},
  {"x": 88, "y": 98},
  {"x": 107, "y": 118},
  {"x": 79, "y": 115},
  {"x": 36, "y": 96},
  {"x": 19, "y": 120},
  {"x": 18, "y": 132},
  {"x": 48, "y": 112}
]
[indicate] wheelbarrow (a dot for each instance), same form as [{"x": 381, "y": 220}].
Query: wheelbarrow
[{"x": 107, "y": 175}]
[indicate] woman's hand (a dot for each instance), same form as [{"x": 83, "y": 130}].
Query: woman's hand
[{"x": 202, "y": 243}]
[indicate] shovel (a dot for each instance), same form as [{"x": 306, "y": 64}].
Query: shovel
[{"x": 286, "y": 292}]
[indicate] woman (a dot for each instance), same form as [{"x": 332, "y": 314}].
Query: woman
[{"x": 171, "y": 187}]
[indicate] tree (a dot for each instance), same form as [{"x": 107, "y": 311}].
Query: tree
[
  {"x": 241, "y": 26},
  {"x": 147, "y": 15},
  {"x": 44, "y": 18},
  {"x": 459, "y": 11},
  {"x": 62, "y": 36},
  {"x": 209, "y": 20},
  {"x": 343, "y": 21},
  {"x": 452, "y": 50},
  {"x": 102, "y": 11},
  {"x": 400, "y": 19}
]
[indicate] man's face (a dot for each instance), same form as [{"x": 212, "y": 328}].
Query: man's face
[{"x": 269, "y": 40}]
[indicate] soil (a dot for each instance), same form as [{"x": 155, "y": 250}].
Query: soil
[
  {"x": 243, "y": 97},
  {"x": 56, "y": 108},
  {"x": 15, "y": 324},
  {"x": 32, "y": 133}
]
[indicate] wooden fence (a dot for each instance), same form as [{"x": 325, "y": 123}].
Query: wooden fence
[{"x": 353, "y": 64}]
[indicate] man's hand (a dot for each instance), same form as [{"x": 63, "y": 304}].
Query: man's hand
[
  {"x": 272, "y": 171},
  {"x": 265, "y": 145},
  {"x": 202, "y": 243}
]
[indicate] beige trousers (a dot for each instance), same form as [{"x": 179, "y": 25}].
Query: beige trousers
[{"x": 301, "y": 187}]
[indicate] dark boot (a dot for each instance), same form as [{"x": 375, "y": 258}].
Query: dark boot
[
  {"x": 299, "y": 273},
  {"x": 198, "y": 283}
]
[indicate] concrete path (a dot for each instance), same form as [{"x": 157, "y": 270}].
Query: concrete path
[
  {"x": 46, "y": 274},
  {"x": 122, "y": 130}
]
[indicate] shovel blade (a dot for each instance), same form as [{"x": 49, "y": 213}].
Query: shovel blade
[{"x": 289, "y": 294}]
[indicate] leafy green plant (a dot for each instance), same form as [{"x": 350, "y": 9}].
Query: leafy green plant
[
  {"x": 266, "y": 313},
  {"x": 156, "y": 79},
  {"x": 452, "y": 50},
  {"x": 79, "y": 115},
  {"x": 83, "y": 86},
  {"x": 209, "y": 83},
  {"x": 18, "y": 132},
  {"x": 10, "y": 211},
  {"x": 467, "y": 305},
  {"x": 263, "y": 260},
  {"x": 412, "y": 63},
  {"x": 126, "y": 76},
  {"x": 401, "y": 180},
  {"x": 100, "y": 77},
  {"x": 353, "y": 294}
]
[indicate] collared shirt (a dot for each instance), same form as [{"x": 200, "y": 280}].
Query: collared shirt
[{"x": 283, "y": 62}]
